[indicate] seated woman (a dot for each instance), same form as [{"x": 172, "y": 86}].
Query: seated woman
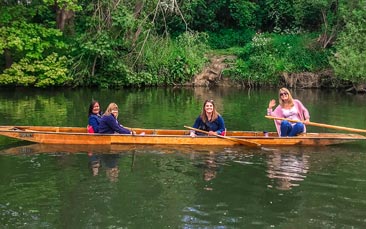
[
  {"x": 209, "y": 120},
  {"x": 109, "y": 123},
  {"x": 289, "y": 108},
  {"x": 94, "y": 117}
]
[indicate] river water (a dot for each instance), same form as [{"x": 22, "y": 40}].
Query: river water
[{"x": 180, "y": 187}]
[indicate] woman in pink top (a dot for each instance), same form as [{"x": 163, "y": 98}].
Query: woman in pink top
[{"x": 291, "y": 109}]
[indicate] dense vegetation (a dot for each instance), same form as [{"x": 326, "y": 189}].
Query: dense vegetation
[{"x": 110, "y": 43}]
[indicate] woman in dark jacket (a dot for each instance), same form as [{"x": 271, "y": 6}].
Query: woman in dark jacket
[
  {"x": 109, "y": 123},
  {"x": 209, "y": 120},
  {"x": 94, "y": 117}
]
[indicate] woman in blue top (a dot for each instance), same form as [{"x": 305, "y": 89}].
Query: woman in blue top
[
  {"x": 209, "y": 120},
  {"x": 94, "y": 117},
  {"x": 109, "y": 123}
]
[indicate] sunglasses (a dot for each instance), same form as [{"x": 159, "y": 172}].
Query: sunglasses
[{"x": 285, "y": 93}]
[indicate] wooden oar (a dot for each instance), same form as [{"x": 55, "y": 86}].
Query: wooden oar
[
  {"x": 241, "y": 141},
  {"x": 321, "y": 125}
]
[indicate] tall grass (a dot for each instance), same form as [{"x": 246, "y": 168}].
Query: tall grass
[{"x": 167, "y": 61}]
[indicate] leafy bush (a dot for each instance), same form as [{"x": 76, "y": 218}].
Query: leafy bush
[
  {"x": 51, "y": 71},
  {"x": 227, "y": 38},
  {"x": 349, "y": 59},
  {"x": 173, "y": 61},
  {"x": 268, "y": 55}
]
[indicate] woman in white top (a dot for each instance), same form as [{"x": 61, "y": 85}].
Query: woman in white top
[{"x": 291, "y": 109}]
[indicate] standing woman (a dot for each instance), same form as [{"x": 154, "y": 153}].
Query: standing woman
[
  {"x": 94, "y": 117},
  {"x": 109, "y": 123},
  {"x": 209, "y": 120},
  {"x": 291, "y": 109}
]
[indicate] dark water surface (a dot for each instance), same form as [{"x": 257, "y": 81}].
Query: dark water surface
[{"x": 180, "y": 187}]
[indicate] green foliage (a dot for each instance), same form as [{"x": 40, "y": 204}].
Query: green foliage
[
  {"x": 64, "y": 4},
  {"x": 50, "y": 71},
  {"x": 301, "y": 52},
  {"x": 227, "y": 38},
  {"x": 162, "y": 61},
  {"x": 213, "y": 16},
  {"x": 243, "y": 12},
  {"x": 33, "y": 50},
  {"x": 11, "y": 12},
  {"x": 99, "y": 49},
  {"x": 174, "y": 61},
  {"x": 29, "y": 40},
  {"x": 276, "y": 14},
  {"x": 117, "y": 43},
  {"x": 349, "y": 59},
  {"x": 269, "y": 55}
]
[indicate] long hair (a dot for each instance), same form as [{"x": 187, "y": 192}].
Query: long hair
[
  {"x": 290, "y": 100},
  {"x": 215, "y": 114},
  {"x": 91, "y": 106},
  {"x": 111, "y": 106}
]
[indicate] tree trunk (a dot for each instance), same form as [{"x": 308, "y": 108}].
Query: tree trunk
[
  {"x": 8, "y": 58},
  {"x": 138, "y": 8},
  {"x": 63, "y": 17}
]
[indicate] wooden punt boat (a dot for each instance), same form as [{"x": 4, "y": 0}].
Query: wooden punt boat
[
  {"x": 79, "y": 136},
  {"x": 23, "y": 148}
]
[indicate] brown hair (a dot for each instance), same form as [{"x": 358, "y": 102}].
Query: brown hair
[
  {"x": 91, "y": 107},
  {"x": 215, "y": 114}
]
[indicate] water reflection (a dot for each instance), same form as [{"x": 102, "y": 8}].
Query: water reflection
[
  {"x": 94, "y": 163},
  {"x": 211, "y": 163},
  {"x": 182, "y": 188},
  {"x": 210, "y": 167},
  {"x": 286, "y": 170},
  {"x": 109, "y": 161}
]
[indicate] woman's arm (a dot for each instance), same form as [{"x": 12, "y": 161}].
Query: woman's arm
[
  {"x": 113, "y": 124},
  {"x": 221, "y": 125},
  {"x": 196, "y": 124},
  {"x": 303, "y": 111},
  {"x": 94, "y": 123}
]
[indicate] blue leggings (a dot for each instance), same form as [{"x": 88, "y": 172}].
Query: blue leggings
[{"x": 288, "y": 130}]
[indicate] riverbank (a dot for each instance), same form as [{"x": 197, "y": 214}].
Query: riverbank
[{"x": 213, "y": 75}]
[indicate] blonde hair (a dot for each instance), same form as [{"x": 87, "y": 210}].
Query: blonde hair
[
  {"x": 215, "y": 114},
  {"x": 290, "y": 100},
  {"x": 111, "y": 106}
]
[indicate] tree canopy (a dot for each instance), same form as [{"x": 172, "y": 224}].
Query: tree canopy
[{"x": 113, "y": 43}]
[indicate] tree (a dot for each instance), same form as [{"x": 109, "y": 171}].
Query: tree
[
  {"x": 30, "y": 47},
  {"x": 349, "y": 59},
  {"x": 65, "y": 11}
]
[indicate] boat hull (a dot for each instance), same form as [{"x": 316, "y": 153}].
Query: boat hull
[{"x": 79, "y": 136}]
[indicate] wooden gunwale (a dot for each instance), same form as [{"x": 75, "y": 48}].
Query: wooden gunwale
[{"x": 78, "y": 135}]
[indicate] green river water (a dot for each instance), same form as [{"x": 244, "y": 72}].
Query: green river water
[{"x": 180, "y": 187}]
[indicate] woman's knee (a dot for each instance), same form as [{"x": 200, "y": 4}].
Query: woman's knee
[
  {"x": 285, "y": 123},
  {"x": 300, "y": 126}
]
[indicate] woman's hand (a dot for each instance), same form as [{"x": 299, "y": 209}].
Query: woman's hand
[
  {"x": 271, "y": 104},
  {"x": 192, "y": 134},
  {"x": 212, "y": 133}
]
